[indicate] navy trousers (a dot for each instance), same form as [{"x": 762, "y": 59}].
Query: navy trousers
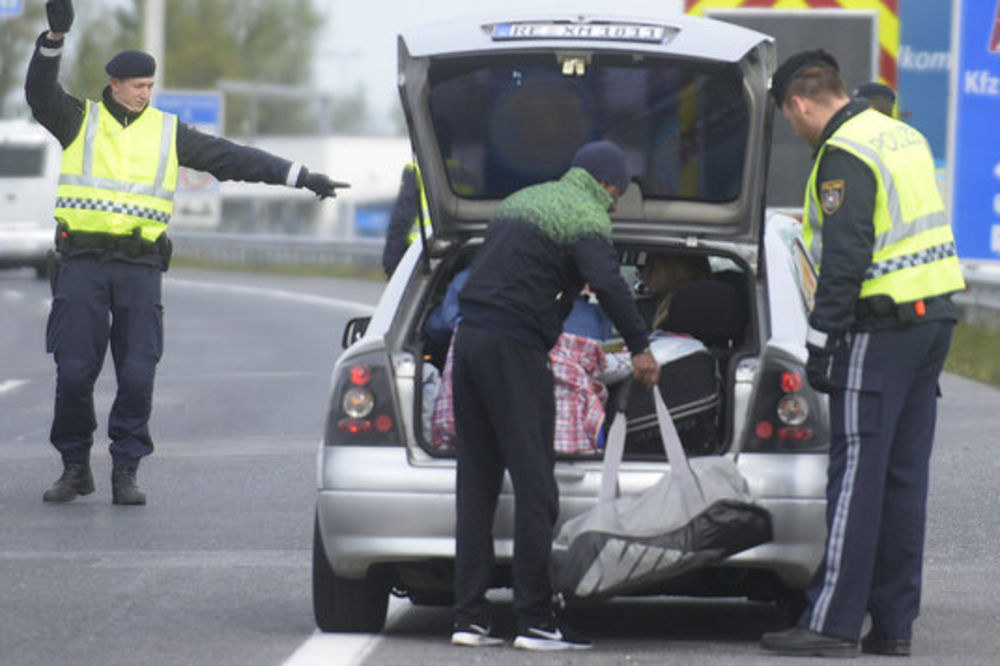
[
  {"x": 96, "y": 303},
  {"x": 882, "y": 425},
  {"x": 505, "y": 419}
]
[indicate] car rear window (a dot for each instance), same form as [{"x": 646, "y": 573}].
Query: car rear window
[
  {"x": 21, "y": 161},
  {"x": 504, "y": 125}
]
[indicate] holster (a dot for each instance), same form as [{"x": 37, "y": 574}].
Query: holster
[
  {"x": 166, "y": 249},
  {"x": 52, "y": 262}
]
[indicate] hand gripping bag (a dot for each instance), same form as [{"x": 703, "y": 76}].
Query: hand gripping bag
[{"x": 698, "y": 513}]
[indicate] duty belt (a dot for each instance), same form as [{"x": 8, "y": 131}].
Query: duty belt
[
  {"x": 133, "y": 245},
  {"x": 883, "y": 307}
]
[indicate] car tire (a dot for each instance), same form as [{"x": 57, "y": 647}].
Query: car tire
[{"x": 343, "y": 604}]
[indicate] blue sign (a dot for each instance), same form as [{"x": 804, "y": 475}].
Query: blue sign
[
  {"x": 924, "y": 66},
  {"x": 11, "y": 8},
  {"x": 203, "y": 109},
  {"x": 975, "y": 150}
]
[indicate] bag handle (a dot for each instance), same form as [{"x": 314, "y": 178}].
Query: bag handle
[
  {"x": 614, "y": 451},
  {"x": 680, "y": 467}
]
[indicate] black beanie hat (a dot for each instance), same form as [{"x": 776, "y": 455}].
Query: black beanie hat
[
  {"x": 128, "y": 64},
  {"x": 605, "y": 161},
  {"x": 795, "y": 64}
]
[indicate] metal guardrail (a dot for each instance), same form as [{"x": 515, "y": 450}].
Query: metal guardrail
[
  {"x": 263, "y": 250},
  {"x": 980, "y": 304}
]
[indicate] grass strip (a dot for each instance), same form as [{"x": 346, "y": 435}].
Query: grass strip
[{"x": 975, "y": 353}]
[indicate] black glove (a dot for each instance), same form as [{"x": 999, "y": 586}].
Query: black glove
[
  {"x": 321, "y": 185},
  {"x": 818, "y": 368},
  {"x": 60, "y": 13}
]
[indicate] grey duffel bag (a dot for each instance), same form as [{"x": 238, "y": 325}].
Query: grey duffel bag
[{"x": 699, "y": 512}]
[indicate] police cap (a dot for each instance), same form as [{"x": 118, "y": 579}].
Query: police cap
[
  {"x": 793, "y": 66},
  {"x": 873, "y": 90},
  {"x": 129, "y": 64}
]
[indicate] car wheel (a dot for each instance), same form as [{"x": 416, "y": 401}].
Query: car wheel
[{"x": 342, "y": 604}]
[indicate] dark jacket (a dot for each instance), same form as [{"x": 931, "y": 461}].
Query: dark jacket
[
  {"x": 62, "y": 115},
  {"x": 541, "y": 246},
  {"x": 848, "y": 238},
  {"x": 404, "y": 211}
]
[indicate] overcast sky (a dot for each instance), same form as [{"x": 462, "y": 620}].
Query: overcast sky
[{"x": 359, "y": 44}]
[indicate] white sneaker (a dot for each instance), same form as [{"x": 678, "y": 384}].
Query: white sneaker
[
  {"x": 474, "y": 635},
  {"x": 550, "y": 639}
]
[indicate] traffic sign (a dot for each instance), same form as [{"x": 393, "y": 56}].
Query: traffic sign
[
  {"x": 201, "y": 108},
  {"x": 9, "y": 8},
  {"x": 974, "y": 152}
]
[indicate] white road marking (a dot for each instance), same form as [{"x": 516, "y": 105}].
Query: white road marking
[
  {"x": 312, "y": 299},
  {"x": 342, "y": 649},
  {"x": 12, "y": 385}
]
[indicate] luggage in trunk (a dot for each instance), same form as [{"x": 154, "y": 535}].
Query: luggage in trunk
[{"x": 692, "y": 391}]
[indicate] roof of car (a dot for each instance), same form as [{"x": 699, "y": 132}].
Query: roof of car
[{"x": 687, "y": 36}]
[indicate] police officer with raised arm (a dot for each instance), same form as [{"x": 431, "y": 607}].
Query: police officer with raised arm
[
  {"x": 878, "y": 336},
  {"x": 114, "y": 201}
]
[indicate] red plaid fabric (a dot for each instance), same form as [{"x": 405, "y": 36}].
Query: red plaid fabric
[
  {"x": 443, "y": 420},
  {"x": 576, "y": 363}
]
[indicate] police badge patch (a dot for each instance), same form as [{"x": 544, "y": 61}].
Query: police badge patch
[{"x": 831, "y": 195}]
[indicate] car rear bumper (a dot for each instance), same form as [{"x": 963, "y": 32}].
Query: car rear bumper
[{"x": 374, "y": 507}]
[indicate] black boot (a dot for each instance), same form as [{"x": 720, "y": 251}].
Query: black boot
[
  {"x": 124, "y": 489},
  {"x": 76, "y": 480}
]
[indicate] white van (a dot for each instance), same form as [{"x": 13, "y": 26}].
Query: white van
[{"x": 29, "y": 175}]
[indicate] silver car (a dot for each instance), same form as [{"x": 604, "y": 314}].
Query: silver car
[{"x": 500, "y": 103}]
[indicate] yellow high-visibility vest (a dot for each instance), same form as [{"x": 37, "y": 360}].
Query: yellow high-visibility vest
[
  {"x": 425, "y": 211},
  {"x": 914, "y": 252},
  {"x": 460, "y": 183},
  {"x": 117, "y": 178}
]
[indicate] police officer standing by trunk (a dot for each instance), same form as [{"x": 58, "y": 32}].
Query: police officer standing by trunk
[
  {"x": 879, "y": 234},
  {"x": 114, "y": 201}
]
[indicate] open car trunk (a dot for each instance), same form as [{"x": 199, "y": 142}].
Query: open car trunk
[
  {"x": 700, "y": 332},
  {"x": 493, "y": 106}
]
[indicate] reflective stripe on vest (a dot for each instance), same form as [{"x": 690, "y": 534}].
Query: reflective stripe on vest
[
  {"x": 913, "y": 255},
  {"x": 424, "y": 207},
  {"x": 115, "y": 178}
]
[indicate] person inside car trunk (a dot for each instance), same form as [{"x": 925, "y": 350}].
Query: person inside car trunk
[{"x": 543, "y": 243}]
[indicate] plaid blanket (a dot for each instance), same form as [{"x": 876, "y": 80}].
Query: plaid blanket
[{"x": 577, "y": 362}]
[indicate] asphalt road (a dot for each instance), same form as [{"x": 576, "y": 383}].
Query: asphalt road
[{"x": 215, "y": 569}]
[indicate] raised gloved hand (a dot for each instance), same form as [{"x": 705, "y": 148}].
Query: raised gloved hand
[
  {"x": 322, "y": 185},
  {"x": 60, "y": 13}
]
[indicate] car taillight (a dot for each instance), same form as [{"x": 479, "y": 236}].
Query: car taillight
[
  {"x": 362, "y": 406},
  {"x": 788, "y": 415}
]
